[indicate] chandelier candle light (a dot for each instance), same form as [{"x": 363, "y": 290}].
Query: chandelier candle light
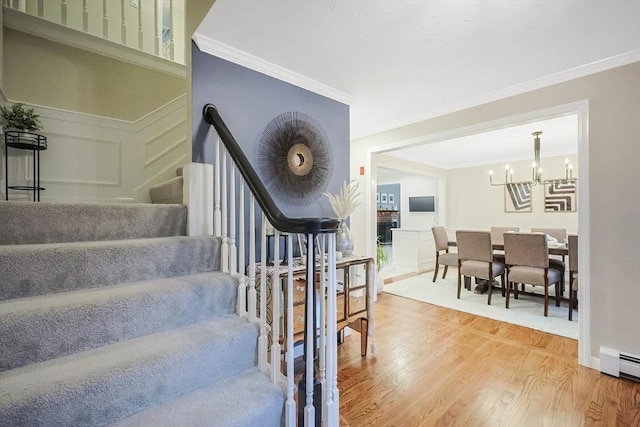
[{"x": 536, "y": 169}]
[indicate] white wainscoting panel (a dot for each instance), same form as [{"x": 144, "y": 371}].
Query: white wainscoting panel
[{"x": 100, "y": 159}]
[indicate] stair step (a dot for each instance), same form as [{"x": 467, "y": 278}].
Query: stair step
[
  {"x": 247, "y": 399},
  {"x": 27, "y": 222},
  {"x": 30, "y": 270},
  {"x": 100, "y": 386},
  {"x": 45, "y": 327},
  {"x": 167, "y": 192}
]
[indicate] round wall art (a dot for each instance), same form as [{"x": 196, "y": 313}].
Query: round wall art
[{"x": 294, "y": 158}]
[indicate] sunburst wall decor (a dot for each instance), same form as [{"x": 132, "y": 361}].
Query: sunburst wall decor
[{"x": 294, "y": 158}]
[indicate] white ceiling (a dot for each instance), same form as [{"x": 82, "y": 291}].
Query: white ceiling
[{"x": 403, "y": 61}]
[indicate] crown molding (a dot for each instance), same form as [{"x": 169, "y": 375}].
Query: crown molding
[
  {"x": 221, "y": 50},
  {"x": 550, "y": 80}
]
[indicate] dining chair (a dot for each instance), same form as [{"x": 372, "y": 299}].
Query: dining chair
[
  {"x": 497, "y": 238},
  {"x": 573, "y": 273},
  {"x": 560, "y": 234},
  {"x": 443, "y": 258},
  {"x": 527, "y": 259},
  {"x": 475, "y": 259}
]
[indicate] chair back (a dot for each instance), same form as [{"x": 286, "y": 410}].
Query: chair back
[
  {"x": 526, "y": 249},
  {"x": 573, "y": 252},
  {"x": 498, "y": 232},
  {"x": 440, "y": 237},
  {"x": 560, "y": 234},
  {"x": 474, "y": 245}
]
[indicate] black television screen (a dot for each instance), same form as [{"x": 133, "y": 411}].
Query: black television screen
[{"x": 422, "y": 204}]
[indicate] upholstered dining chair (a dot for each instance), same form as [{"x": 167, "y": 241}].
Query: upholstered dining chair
[
  {"x": 527, "y": 259},
  {"x": 497, "y": 238},
  {"x": 560, "y": 234},
  {"x": 475, "y": 259},
  {"x": 573, "y": 273},
  {"x": 443, "y": 258}
]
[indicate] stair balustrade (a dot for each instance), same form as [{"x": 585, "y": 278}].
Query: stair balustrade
[
  {"x": 318, "y": 400},
  {"x": 155, "y": 27}
]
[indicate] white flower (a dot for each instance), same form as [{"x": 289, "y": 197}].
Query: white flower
[{"x": 346, "y": 202}]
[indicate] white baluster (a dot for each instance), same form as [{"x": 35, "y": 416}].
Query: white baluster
[
  {"x": 22, "y": 6},
  {"x": 309, "y": 339},
  {"x": 105, "y": 20},
  {"x": 233, "y": 255},
  {"x": 224, "y": 250},
  {"x": 40, "y": 8},
  {"x": 275, "y": 311},
  {"x": 140, "y": 31},
  {"x": 331, "y": 402},
  {"x": 123, "y": 26},
  {"x": 63, "y": 12},
  {"x": 323, "y": 324},
  {"x": 85, "y": 16},
  {"x": 262, "y": 339},
  {"x": 252, "y": 259},
  {"x": 217, "y": 222},
  {"x": 172, "y": 29},
  {"x": 371, "y": 292},
  {"x": 242, "y": 286},
  {"x": 290, "y": 404},
  {"x": 157, "y": 13}
]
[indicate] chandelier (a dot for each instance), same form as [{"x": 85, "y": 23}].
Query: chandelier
[{"x": 536, "y": 169}]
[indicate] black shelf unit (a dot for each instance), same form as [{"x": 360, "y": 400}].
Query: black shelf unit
[{"x": 24, "y": 141}]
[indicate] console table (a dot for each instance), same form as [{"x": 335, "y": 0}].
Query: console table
[
  {"x": 24, "y": 141},
  {"x": 354, "y": 299}
]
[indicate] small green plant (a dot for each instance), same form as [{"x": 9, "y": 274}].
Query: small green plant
[
  {"x": 20, "y": 118},
  {"x": 382, "y": 257}
]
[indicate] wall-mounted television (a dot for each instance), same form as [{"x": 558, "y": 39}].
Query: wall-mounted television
[{"x": 422, "y": 204}]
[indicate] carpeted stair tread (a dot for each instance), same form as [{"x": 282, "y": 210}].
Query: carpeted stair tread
[
  {"x": 169, "y": 192},
  {"x": 100, "y": 386},
  {"x": 247, "y": 399},
  {"x": 44, "y": 327},
  {"x": 27, "y": 222},
  {"x": 39, "y": 269}
]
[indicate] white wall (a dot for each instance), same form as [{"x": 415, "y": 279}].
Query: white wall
[
  {"x": 613, "y": 233},
  {"x": 474, "y": 204},
  {"x": 414, "y": 185}
]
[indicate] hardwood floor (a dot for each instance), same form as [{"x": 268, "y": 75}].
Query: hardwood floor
[{"x": 437, "y": 367}]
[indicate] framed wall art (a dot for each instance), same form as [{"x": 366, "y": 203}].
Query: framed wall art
[
  {"x": 560, "y": 196},
  {"x": 517, "y": 197},
  {"x": 383, "y": 198}
]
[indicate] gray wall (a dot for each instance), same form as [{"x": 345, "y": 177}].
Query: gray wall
[{"x": 247, "y": 101}]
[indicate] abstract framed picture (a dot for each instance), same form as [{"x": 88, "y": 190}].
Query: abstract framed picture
[
  {"x": 517, "y": 197},
  {"x": 377, "y": 197},
  {"x": 560, "y": 196},
  {"x": 383, "y": 198},
  {"x": 391, "y": 198}
]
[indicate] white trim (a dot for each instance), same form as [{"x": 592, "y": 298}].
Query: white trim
[
  {"x": 552, "y": 79},
  {"x": 221, "y": 50},
  {"x": 579, "y": 107},
  {"x": 60, "y": 34}
]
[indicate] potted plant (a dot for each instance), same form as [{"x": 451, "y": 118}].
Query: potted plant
[
  {"x": 20, "y": 118},
  {"x": 21, "y": 124},
  {"x": 382, "y": 259}
]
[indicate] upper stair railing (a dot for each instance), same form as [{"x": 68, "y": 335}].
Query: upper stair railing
[
  {"x": 156, "y": 27},
  {"x": 318, "y": 396}
]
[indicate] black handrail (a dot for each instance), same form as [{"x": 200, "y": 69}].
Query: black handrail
[{"x": 266, "y": 202}]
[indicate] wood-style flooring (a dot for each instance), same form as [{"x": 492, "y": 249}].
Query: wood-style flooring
[{"x": 440, "y": 367}]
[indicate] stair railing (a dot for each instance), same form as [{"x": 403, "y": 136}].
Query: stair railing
[
  {"x": 318, "y": 396},
  {"x": 148, "y": 26}
]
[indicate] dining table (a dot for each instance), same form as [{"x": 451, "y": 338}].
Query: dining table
[{"x": 554, "y": 249}]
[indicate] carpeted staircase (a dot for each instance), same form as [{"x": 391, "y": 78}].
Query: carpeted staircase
[{"x": 110, "y": 315}]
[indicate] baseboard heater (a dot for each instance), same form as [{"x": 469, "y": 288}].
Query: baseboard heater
[{"x": 617, "y": 364}]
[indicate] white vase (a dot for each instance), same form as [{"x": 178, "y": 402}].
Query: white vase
[{"x": 344, "y": 242}]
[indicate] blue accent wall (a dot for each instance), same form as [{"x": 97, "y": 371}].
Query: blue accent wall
[{"x": 247, "y": 101}]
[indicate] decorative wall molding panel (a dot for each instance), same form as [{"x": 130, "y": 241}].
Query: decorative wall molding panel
[{"x": 99, "y": 159}]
